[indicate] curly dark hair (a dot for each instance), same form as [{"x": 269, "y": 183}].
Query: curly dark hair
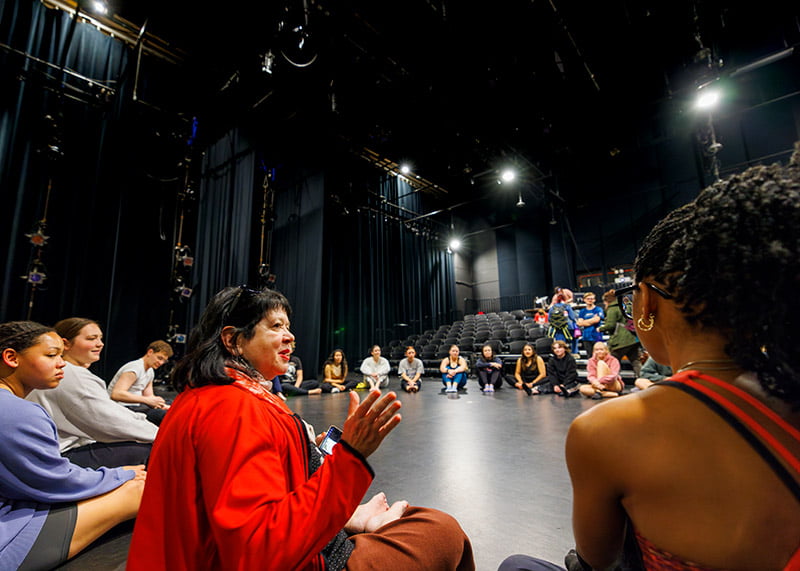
[
  {"x": 206, "y": 354},
  {"x": 731, "y": 259}
]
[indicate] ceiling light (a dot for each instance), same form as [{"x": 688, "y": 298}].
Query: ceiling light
[
  {"x": 707, "y": 98},
  {"x": 508, "y": 175},
  {"x": 98, "y": 7},
  {"x": 405, "y": 169},
  {"x": 455, "y": 244}
]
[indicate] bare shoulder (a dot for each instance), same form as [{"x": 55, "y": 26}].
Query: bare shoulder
[{"x": 612, "y": 416}]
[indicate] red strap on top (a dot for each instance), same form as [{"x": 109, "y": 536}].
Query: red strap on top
[{"x": 687, "y": 378}]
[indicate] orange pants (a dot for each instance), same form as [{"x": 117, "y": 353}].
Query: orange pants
[{"x": 423, "y": 539}]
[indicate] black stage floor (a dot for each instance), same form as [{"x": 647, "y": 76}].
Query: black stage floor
[{"x": 495, "y": 462}]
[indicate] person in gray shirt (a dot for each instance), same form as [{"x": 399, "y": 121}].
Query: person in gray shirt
[{"x": 410, "y": 370}]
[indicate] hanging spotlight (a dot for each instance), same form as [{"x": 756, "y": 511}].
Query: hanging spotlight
[
  {"x": 520, "y": 202},
  {"x": 455, "y": 244},
  {"x": 405, "y": 169},
  {"x": 508, "y": 175},
  {"x": 98, "y": 7},
  {"x": 707, "y": 98}
]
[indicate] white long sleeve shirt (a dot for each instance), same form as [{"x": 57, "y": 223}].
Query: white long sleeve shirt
[{"x": 84, "y": 412}]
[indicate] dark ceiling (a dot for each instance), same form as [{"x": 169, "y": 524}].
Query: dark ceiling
[{"x": 460, "y": 88}]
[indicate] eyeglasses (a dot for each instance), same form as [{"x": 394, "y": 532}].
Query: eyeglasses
[{"x": 625, "y": 297}]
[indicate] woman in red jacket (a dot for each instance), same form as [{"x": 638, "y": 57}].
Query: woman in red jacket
[{"x": 236, "y": 481}]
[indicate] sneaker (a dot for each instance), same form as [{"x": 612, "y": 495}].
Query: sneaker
[
  {"x": 489, "y": 389},
  {"x": 451, "y": 388},
  {"x": 335, "y": 390}
]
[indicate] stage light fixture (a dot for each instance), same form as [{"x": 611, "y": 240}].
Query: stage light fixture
[
  {"x": 98, "y": 7},
  {"x": 455, "y": 244},
  {"x": 405, "y": 169},
  {"x": 508, "y": 175},
  {"x": 707, "y": 98},
  {"x": 268, "y": 62}
]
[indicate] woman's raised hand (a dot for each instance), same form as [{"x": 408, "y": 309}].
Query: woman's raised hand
[{"x": 369, "y": 422}]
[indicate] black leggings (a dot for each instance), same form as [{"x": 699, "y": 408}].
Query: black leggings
[
  {"x": 490, "y": 377},
  {"x": 348, "y": 386},
  {"x": 109, "y": 454}
]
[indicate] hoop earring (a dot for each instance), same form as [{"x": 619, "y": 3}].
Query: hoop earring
[{"x": 643, "y": 325}]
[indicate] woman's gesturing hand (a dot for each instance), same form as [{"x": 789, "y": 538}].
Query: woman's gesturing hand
[{"x": 369, "y": 422}]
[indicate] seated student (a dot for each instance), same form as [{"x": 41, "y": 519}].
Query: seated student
[
  {"x": 292, "y": 382},
  {"x": 652, "y": 372},
  {"x": 50, "y": 509},
  {"x": 410, "y": 370},
  {"x": 454, "y": 371},
  {"x": 133, "y": 384},
  {"x": 603, "y": 374},
  {"x": 237, "y": 481},
  {"x": 490, "y": 370},
  {"x": 93, "y": 430},
  {"x": 376, "y": 369},
  {"x": 334, "y": 374},
  {"x": 562, "y": 371},
  {"x": 529, "y": 372}
]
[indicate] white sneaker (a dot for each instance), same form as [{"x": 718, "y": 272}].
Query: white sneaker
[
  {"x": 335, "y": 390},
  {"x": 489, "y": 388}
]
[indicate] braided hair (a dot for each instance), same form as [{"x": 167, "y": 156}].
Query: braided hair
[
  {"x": 21, "y": 335},
  {"x": 731, "y": 258}
]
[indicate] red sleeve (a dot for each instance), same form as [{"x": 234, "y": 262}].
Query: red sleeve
[{"x": 262, "y": 512}]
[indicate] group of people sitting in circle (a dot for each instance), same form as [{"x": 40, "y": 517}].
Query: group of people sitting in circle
[
  {"x": 559, "y": 375},
  {"x": 703, "y": 472}
]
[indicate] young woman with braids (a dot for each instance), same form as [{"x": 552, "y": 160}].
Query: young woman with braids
[
  {"x": 50, "y": 509},
  {"x": 704, "y": 472},
  {"x": 236, "y": 480}
]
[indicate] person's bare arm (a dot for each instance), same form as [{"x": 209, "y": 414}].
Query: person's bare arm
[
  {"x": 598, "y": 520},
  {"x": 121, "y": 392}
]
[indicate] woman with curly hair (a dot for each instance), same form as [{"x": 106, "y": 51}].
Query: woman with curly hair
[{"x": 709, "y": 473}]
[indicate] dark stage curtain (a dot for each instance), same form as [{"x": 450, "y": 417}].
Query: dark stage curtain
[
  {"x": 297, "y": 259},
  {"x": 55, "y": 133},
  {"x": 69, "y": 122},
  {"x": 224, "y": 219},
  {"x": 382, "y": 281}
]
